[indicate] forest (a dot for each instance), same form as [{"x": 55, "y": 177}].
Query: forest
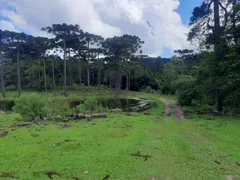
[
  {"x": 72, "y": 58},
  {"x": 76, "y": 105}
]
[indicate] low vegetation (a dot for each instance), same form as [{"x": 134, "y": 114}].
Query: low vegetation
[
  {"x": 147, "y": 145},
  {"x": 186, "y": 126},
  {"x": 31, "y": 107}
]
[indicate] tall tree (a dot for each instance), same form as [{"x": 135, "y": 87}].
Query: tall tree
[
  {"x": 64, "y": 34},
  {"x": 19, "y": 42},
  {"x": 119, "y": 50},
  {"x": 2, "y": 64},
  {"x": 207, "y": 27},
  {"x": 41, "y": 45},
  {"x": 93, "y": 40}
]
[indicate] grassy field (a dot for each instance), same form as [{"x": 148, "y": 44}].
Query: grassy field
[{"x": 199, "y": 147}]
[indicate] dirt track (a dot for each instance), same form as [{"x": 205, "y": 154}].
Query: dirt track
[{"x": 168, "y": 106}]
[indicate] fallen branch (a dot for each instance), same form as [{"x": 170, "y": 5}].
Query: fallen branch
[
  {"x": 34, "y": 135},
  {"x": 51, "y": 173},
  {"x": 216, "y": 161},
  {"x": 65, "y": 125},
  {"x": 88, "y": 116},
  {"x": 141, "y": 155},
  {"x": 225, "y": 155},
  {"x": 8, "y": 175},
  {"x": 106, "y": 177},
  {"x": 23, "y": 125},
  {"x": 4, "y": 133}
]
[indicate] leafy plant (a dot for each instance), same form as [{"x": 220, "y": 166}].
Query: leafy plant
[
  {"x": 81, "y": 108},
  {"x": 186, "y": 90},
  {"x": 91, "y": 104},
  {"x": 147, "y": 89},
  {"x": 30, "y": 107},
  {"x": 100, "y": 108}
]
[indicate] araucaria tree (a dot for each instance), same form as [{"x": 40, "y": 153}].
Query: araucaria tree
[
  {"x": 64, "y": 34},
  {"x": 119, "y": 50},
  {"x": 215, "y": 25}
]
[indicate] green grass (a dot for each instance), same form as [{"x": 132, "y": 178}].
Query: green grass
[{"x": 180, "y": 149}]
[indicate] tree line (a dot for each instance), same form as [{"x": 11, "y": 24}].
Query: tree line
[
  {"x": 215, "y": 27},
  {"x": 210, "y": 75},
  {"x": 73, "y": 58}
]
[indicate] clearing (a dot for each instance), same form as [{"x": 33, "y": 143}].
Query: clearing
[{"x": 141, "y": 146}]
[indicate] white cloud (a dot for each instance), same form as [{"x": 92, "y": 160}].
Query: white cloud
[
  {"x": 6, "y": 25},
  {"x": 107, "y": 18}
]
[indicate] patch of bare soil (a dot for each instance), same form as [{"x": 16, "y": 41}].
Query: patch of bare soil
[
  {"x": 167, "y": 107},
  {"x": 229, "y": 177},
  {"x": 51, "y": 173},
  {"x": 179, "y": 112}
]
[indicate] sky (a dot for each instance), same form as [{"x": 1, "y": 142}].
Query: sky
[{"x": 161, "y": 24}]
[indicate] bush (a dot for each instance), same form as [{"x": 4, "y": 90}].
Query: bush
[
  {"x": 147, "y": 89},
  {"x": 32, "y": 106},
  {"x": 186, "y": 90},
  {"x": 81, "y": 108},
  {"x": 91, "y": 104},
  {"x": 101, "y": 109},
  {"x": 60, "y": 106}
]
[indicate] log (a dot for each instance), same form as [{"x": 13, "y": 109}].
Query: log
[
  {"x": 23, "y": 125},
  {"x": 141, "y": 106},
  {"x": 88, "y": 116},
  {"x": 79, "y": 116},
  {"x": 100, "y": 115},
  {"x": 4, "y": 133},
  {"x": 8, "y": 175}
]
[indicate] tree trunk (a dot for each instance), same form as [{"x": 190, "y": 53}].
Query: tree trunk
[
  {"x": 18, "y": 73},
  {"x": 217, "y": 43},
  {"x": 88, "y": 76},
  {"x": 70, "y": 69},
  {"x": 39, "y": 74},
  {"x": 127, "y": 81},
  {"x": 99, "y": 72},
  {"x": 45, "y": 74},
  {"x": 217, "y": 27},
  {"x": 2, "y": 76},
  {"x": 118, "y": 80},
  {"x": 80, "y": 75},
  {"x": 219, "y": 102},
  {"x": 234, "y": 21},
  {"x": 110, "y": 82},
  {"x": 99, "y": 77},
  {"x": 88, "y": 68},
  {"x": 53, "y": 74},
  {"x": 65, "y": 68}
]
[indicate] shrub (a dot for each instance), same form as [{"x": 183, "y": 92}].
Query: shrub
[
  {"x": 32, "y": 106},
  {"x": 81, "y": 108},
  {"x": 100, "y": 109},
  {"x": 91, "y": 104},
  {"x": 60, "y": 106},
  {"x": 186, "y": 90},
  {"x": 147, "y": 89}
]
